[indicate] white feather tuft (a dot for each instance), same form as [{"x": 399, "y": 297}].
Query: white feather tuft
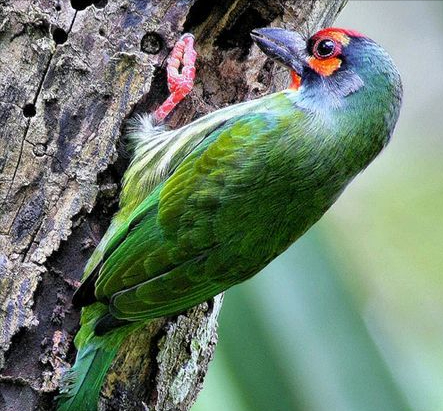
[{"x": 141, "y": 129}]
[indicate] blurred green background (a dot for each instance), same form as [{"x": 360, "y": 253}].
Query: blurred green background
[{"x": 350, "y": 318}]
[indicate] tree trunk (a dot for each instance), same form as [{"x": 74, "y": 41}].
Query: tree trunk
[{"x": 71, "y": 73}]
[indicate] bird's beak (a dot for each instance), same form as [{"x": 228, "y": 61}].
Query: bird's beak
[{"x": 286, "y": 47}]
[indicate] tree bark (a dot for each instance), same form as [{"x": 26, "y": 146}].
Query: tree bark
[{"x": 69, "y": 79}]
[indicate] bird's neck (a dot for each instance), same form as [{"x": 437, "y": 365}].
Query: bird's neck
[{"x": 356, "y": 125}]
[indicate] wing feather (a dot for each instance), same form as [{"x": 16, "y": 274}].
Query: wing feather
[{"x": 163, "y": 264}]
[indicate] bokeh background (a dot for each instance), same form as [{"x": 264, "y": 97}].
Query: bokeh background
[{"x": 350, "y": 318}]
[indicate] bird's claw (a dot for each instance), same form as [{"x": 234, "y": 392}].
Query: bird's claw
[{"x": 180, "y": 83}]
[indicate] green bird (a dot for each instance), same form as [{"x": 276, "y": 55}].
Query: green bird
[{"x": 210, "y": 204}]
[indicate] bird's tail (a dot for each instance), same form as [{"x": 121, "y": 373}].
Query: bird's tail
[{"x": 81, "y": 385}]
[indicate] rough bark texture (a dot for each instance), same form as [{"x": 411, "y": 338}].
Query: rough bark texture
[{"x": 68, "y": 80}]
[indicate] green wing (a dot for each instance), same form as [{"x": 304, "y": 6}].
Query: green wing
[
  {"x": 157, "y": 152},
  {"x": 178, "y": 252}
]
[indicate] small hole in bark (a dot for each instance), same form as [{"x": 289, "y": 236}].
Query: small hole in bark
[
  {"x": 39, "y": 150},
  {"x": 58, "y": 7},
  {"x": 151, "y": 43},
  {"x": 80, "y": 4},
  {"x": 29, "y": 110},
  {"x": 100, "y": 3},
  {"x": 60, "y": 36},
  {"x": 101, "y": 32}
]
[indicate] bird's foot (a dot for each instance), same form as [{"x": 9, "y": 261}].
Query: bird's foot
[{"x": 179, "y": 83}]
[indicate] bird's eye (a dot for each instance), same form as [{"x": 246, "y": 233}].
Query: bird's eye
[{"x": 324, "y": 48}]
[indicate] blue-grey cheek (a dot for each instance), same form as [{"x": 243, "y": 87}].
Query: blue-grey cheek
[
  {"x": 346, "y": 82},
  {"x": 354, "y": 83}
]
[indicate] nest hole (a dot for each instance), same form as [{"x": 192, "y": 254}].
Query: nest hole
[{"x": 29, "y": 110}]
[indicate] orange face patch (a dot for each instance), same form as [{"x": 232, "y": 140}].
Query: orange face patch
[{"x": 325, "y": 66}]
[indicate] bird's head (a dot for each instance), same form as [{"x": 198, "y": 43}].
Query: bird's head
[{"x": 334, "y": 66}]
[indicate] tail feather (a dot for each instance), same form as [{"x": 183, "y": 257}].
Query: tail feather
[{"x": 81, "y": 385}]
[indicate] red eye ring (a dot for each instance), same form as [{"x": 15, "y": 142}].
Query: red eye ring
[{"x": 325, "y": 48}]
